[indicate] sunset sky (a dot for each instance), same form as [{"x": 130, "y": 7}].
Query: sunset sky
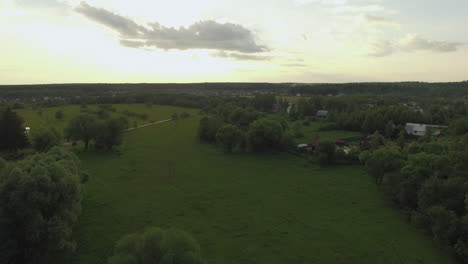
[{"x": 67, "y": 41}]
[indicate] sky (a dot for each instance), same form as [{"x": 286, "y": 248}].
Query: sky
[{"x": 309, "y": 41}]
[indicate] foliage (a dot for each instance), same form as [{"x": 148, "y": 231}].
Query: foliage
[
  {"x": 265, "y": 134},
  {"x": 431, "y": 184},
  {"x": 208, "y": 128},
  {"x": 46, "y": 139},
  {"x": 40, "y": 199},
  {"x": 83, "y": 127},
  {"x": 381, "y": 161},
  {"x": 109, "y": 134},
  {"x": 229, "y": 136},
  {"x": 157, "y": 246},
  {"x": 12, "y": 131},
  {"x": 326, "y": 152},
  {"x": 59, "y": 115},
  {"x": 297, "y": 130}
]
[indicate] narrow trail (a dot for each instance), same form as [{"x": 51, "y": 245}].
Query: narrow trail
[{"x": 151, "y": 124}]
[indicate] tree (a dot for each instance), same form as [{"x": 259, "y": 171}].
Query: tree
[
  {"x": 83, "y": 127},
  {"x": 208, "y": 128},
  {"x": 297, "y": 130},
  {"x": 45, "y": 139},
  {"x": 59, "y": 115},
  {"x": 229, "y": 136},
  {"x": 40, "y": 199},
  {"x": 389, "y": 129},
  {"x": 265, "y": 134},
  {"x": 381, "y": 161},
  {"x": 401, "y": 138},
  {"x": 326, "y": 152},
  {"x": 12, "y": 131},
  {"x": 109, "y": 134},
  {"x": 157, "y": 246},
  {"x": 443, "y": 224}
]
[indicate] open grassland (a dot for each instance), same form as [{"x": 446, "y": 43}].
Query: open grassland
[
  {"x": 45, "y": 117},
  {"x": 312, "y": 132},
  {"x": 242, "y": 208}
]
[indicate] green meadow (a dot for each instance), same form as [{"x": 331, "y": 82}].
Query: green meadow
[{"x": 242, "y": 208}]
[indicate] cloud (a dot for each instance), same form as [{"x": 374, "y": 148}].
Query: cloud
[
  {"x": 377, "y": 20},
  {"x": 296, "y": 65},
  {"x": 381, "y": 48},
  {"x": 201, "y": 35},
  {"x": 412, "y": 43},
  {"x": 41, "y": 3},
  {"x": 323, "y": 2},
  {"x": 240, "y": 56}
]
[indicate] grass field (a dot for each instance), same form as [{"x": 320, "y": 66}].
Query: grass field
[
  {"x": 242, "y": 208},
  {"x": 312, "y": 132},
  {"x": 47, "y": 118}
]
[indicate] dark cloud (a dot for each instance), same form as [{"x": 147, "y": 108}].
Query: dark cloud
[
  {"x": 201, "y": 35},
  {"x": 240, "y": 56}
]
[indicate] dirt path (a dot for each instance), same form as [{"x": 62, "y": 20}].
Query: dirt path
[{"x": 150, "y": 124}]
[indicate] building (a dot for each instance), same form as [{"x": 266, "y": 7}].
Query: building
[
  {"x": 322, "y": 113},
  {"x": 420, "y": 130}
]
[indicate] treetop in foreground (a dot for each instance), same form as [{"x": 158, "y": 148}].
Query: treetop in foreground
[
  {"x": 157, "y": 246},
  {"x": 40, "y": 199}
]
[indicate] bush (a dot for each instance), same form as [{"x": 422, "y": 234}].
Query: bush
[
  {"x": 59, "y": 115},
  {"x": 157, "y": 246},
  {"x": 46, "y": 139},
  {"x": 229, "y": 137},
  {"x": 207, "y": 129},
  {"x": 326, "y": 153},
  {"x": 265, "y": 134}
]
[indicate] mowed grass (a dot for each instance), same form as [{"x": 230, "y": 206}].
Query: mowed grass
[
  {"x": 312, "y": 132},
  {"x": 242, "y": 208}
]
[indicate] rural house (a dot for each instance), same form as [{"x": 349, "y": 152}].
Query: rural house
[
  {"x": 322, "y": 113},
  {"x": 420, "y": 129}
]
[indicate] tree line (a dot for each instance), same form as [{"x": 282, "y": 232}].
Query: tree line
[{"x": 428, "y": 180}]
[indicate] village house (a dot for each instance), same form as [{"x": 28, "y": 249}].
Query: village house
[
  {"x": 420, "y": 130},
  {"x": 322, "y": 113}
]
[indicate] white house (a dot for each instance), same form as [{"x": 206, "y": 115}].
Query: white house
[
  {"x": 322, "y": 113},
  {"x": 420, "y": 129}
]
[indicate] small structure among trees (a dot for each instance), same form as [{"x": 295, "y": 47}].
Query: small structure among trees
[
  {"x": 421, "y": 130},
  {"x": 322, "y": 113}
]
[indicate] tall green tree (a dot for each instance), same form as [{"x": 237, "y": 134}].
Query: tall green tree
[
  {"x": 265, "y": 134},
  {"x": 229, "y": 136},
  {"x": 40, "y": 199},
  {"x": 109, "y": 134},
  {"x": 83, "y": 127},
  {"x": 382, "y": 161},
  {"x": 45, "y": 139},
  {"x": 12, "y": 131}
]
